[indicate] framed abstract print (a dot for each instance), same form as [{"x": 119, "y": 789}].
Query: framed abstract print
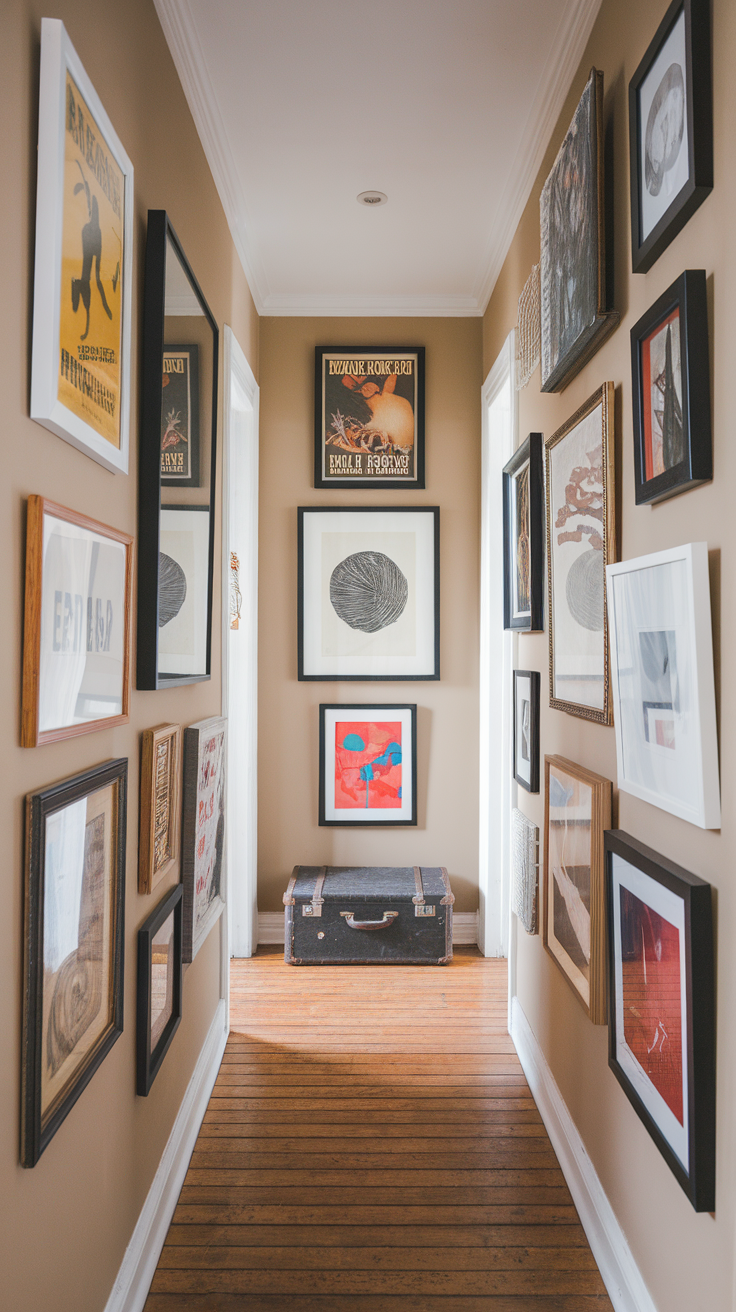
[
  {"x": 526, "y": 729},
  {"x": 670, "y": 381},
  {"x": 670, "y": 130},
  {"x": 369, "y": 592},
  {"x": 203, "y": 830},
  {"x": 524, "y": 870},
  {"x": 184, "y": 604},
  {"x": 663, "y": 684},
  {"x": 581, "y": 540},
  {"x": 160, "y": 973},
  {"x": 368, "y": 765},
  {"x": 575, "y": 320},
  {"x": 662, "y": 1018},
  {"x": 180, "y": 416},
  {"x": 369, "y": 417},
  {"x": 523, "y": 538},
  {"x": 577, "y": 810},
  {"x": 80, "y": 374},
  {"x": 158, "y": 843},
  {"x": 73, "y": 943},
  {"x": 76, "y": 636}
]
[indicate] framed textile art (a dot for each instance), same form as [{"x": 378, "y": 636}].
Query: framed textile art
[
  {"x": 158, "y": 843},
  {"x": 160, "y": 973},
  {"x": 369, "y": 417},
  {"x": 368, "y": 765},
  {"x": 180, "y": 416},
  {"x": 80, "y": 373},
  {"x": 524, "y": 870},
  {"x": 203, "y": 830},
  {"x": 526, "y": 729},
  {"x": 523, "y": 538},
  {"x": 73, "y": 943},
  {"x": 662, "y": 1023}
]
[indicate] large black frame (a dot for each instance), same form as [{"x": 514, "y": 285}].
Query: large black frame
[
  {"x": 699, "y": 115},
  {"x": 378, "y": 707},
  {"x": 534, "y": 680},
  {"x": 160, "y": 232},
  {"x": 688, "y": 294},
  {"x": 148, "y": 1064},
  {"x": 531, "y": 450},
  {"x": 699, "y": 1181}
]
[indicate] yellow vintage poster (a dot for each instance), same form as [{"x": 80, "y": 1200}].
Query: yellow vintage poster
[{"x": 90, "y": 318}]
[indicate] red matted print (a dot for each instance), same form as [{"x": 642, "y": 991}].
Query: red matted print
[
  {"x": 650, "y": 949},
  {"x": 368, "y": 771},
  {"x": 661, "y": 371}
]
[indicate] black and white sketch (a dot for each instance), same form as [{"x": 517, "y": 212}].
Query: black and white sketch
[
  {"x": 663, "y": 128},
  {"x": 183, "y": 590},
  {"x": 368, "y": 591},
  {"x": 526, "y": 729}
]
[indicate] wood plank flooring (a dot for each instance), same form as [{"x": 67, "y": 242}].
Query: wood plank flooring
[{"x": 371, "y": 1144}]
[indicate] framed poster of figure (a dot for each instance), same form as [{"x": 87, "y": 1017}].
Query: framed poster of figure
[
  {"x": 203, "y": 830},
  {"x": 368, "y": 765},
  {"x": 526, "y": 729},
  {"x": 160, "y": 973},
  {"x": 369, "y": 417},
  {"x": 180, "y": 416},
  {"x": 158, "y": 843},
  {"x": 80, "y": 373},
  {"x": 523, "y": 538}
]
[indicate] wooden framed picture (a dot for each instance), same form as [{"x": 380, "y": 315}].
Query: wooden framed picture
[
  {"x": 572, "y": 271},
  {"x": 661, "y": 1029},
  {"x": 160, "y": 973},
  {"x": 663, "y": 682},
  {"x": 76, "y": 636},
  {"x": 369, "y": 417},
  {"x": 526, "y": 729},
  {"x": 670, "y": 384},
  {"x": 203, "y": 830},
  {"x": 523, "y": 538},
  {"x": 80, "y": 374},
  {"x": 581, "y": 541},
  {"x": 525, "y": 870},
  {"x": 73, "y": 943},
  {"x": 369, "y": 592},
  {"x": 670, "y": 130},
  {"x": 577, "y": 810},
  {"x": 158, "y": 842},
  {"x": 368, "y": 764},
  {"x": 180, "y": 416}
]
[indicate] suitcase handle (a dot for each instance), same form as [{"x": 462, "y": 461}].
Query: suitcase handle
[{"x": 388, "y": 919}]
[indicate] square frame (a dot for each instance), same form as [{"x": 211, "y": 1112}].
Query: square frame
[
  {"x": 368, "y": 712},
  {"x": 203, "y": 830},
  {"x": 529, "y": 456},
  {"x": 160, "y": 804},
  {"x": 530, "y": 783},
  {"x": 148, "y": 1063},
  {"x": 352, "y": 440}
]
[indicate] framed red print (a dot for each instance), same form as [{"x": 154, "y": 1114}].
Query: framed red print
[{"x": 367, "y": 765}]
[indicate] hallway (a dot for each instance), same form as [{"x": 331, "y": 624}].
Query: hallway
[{"x": 371, "y": 1143}]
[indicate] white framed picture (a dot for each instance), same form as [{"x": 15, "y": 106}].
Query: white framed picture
[
  {"x": 662, "y": 682},
  {"x": 368, "y": 764},
  {"x": 203, "y": 829},
  {"x": 83, "y": 278},
  {"x": 184, "y": 596}
]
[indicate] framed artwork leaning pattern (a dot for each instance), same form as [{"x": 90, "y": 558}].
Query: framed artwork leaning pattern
[
  {"x": 369, "y": 417},
  {"x": 158, "y": 843},
  {"x": 526, "y": 729},
  {"x": 368, "y": 765},
  {"x": 160, "y": 973},
  {"x": 203, "y": 830},
  {"x": 523, "y": 538}
]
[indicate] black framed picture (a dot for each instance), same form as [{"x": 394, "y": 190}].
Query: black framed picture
[
  {"x": 369, "y": 417},
  {"x": 180, "y": 416},
  {"x": 661, "y": 1024},
  {"x": 670, "y": 388},
  {"x": 160, "y": 973},
  {"x": 368, "y": 764},
  {"x": 670, "y": 130},
  {"x": 523, "y": 537},
  {"x": 526, "y": 729}
]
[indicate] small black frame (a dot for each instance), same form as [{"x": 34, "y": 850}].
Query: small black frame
[
  {"x": 192, "y": 351},
  {"x": 530, "y": 452},
  {"x": 148, "y": 1064},
  {"x": 383, "y": 710},
  {"x": 698, "y": 1182},
  {"x": 699, "y": 119},
  {"x": 533, "y": 785}
]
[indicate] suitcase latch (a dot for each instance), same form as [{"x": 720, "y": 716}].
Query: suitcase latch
[
  {"x": 421, "y": 909},
  {"x": 312, "y": 908}
]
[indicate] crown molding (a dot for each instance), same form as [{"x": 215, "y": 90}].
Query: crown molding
[{"x": 350, "y": 304}]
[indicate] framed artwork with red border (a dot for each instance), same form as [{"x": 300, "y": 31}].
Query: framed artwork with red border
[{"x": 368, "y": 765}]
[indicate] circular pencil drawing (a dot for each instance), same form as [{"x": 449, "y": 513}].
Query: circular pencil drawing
[
  {"x": 76, "y": 1001},
  {"x": 172, "y": 589},
  {"x": 368, "y": 591},
  {"x": 665, "y": 129},
  {"x": 585, "y": 589}
]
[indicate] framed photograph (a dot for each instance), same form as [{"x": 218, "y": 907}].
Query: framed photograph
[
  {"x": 80, "y": 374},
  {"x": 160, "y": 973},
  {"x": 184, "y": 591},
  {"x": 368, "y": 765},
  {"x": 180, "y": 416},
  {"x": 572, "y": 271},
  {"x": 577, "y": 810},
  {"x": 581, "y": 540},
  {"x": 526, "y": 729},
  {"x": 524, "y": 870},
  {"x": 158, "y": 843},
  {"x": 663, "y": 685},
  {"x": 73, "y": 943},
  {"x": 661, "y": 1030},
  {"x": 670, "y": 387},
  {"x": 203, "y": 830},
  {"x": 369, "y": 592},
  {"x": 670, "y": 130},
  {"x": 523, "y": 538},
  {"x": 369, "y": 417},
  {"x": 76, "y": 637}
]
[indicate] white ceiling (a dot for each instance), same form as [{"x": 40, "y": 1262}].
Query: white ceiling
[{"x": 445, "y": 107}]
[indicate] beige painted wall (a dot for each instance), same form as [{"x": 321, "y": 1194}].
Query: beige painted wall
[
  {"x": 686, "y": 1259},
  {"x": 67, "y": 1222},
  {"x": 447, "y": 720}
]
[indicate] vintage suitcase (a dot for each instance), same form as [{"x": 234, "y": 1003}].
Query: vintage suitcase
[{"x": 350, "y": 915}]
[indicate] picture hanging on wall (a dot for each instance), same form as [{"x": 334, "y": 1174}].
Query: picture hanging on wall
[
  {"x": 158, "y": 843},
  {"x": 183, "y": 591},
  {"x": 368, "y": 765},
  {"x": 180, "y": 416},
  {"x": 203, "y": 830},
  {"x": 526, "y": 729},
  {"x": 369, "y": 417},
  {"x": 160, "y": 974},
  {"x": 524, "y": 870},
  {"x": 661, "y": 1029},
  {"x": 523, "y": 538}
]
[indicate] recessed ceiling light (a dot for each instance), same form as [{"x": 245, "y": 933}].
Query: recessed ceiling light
[{"x": 372, "y": 198}]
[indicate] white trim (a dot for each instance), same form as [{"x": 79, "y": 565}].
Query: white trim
[
  {"x": 130, "y": 1291},
  {"x": 621, "y": 1275},
  {"x": 464, "y": 927}
]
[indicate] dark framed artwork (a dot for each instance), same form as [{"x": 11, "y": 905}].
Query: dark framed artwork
[
  {"x": 160, "y": 973},
  {"x": 369, "y": 417},
  {"x": 159, "y": 822},
  {"x": 526, "y": 729},
  {"x": 368, "y": 764},
  {"x": 662, "y": 1018},
  {"x": 203, "y": 829},
  {"x": 184, "y": 592},
  {"x": 670, "y": 387},
  {"x": 180, "y": 416},
  {"x": 523, "y": 538},
  {"x": 73, "y": 943},
  {"x": 670, "y": 130},
  {"x": 575, "y": 320},
  {"x": 369, "y": 592}
]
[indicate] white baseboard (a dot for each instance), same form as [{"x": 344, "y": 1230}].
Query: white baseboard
[
  {"x": 621, "y": 1276},
  {"x": 271, "y": 927},
  {"x": 133, "y": 1282}
]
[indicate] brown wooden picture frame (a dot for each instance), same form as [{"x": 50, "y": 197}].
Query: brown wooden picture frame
[{"x": 160, "y": 805}]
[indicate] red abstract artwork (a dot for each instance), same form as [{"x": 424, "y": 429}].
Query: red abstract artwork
[
  {"x": 650, "y": 950},
  {"x": 368, "y": 764}
]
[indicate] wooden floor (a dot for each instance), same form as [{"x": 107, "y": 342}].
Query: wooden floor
[{"x": 371, "y": 1144}]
